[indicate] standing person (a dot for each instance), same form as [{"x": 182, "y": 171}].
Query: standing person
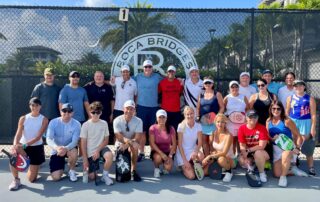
[
  {"x": 221, "y": 148},
  {"x": 287, "y": 90},
  {"x": 163, "y": 142},
  {"x": 99, "y": 91},
  {"x": 192, "y": 88},
  {"x": 301, "y": 108},
  {"x": 189, "y": 143},
  {"x": 125, "y": 89},
  {"x": 170, "y": 90},
  {"x": 278, "y": 123},
  {"x": 253, "y": 138},
  {"x": 208, "y": 101},
  {"x": 245, "y": 88},
  {"x": 28, "y": 142},
  {"x": 75, "y": 95},
  {"x": 128, "y": 132},
  {"x": 273, "y": 87},
  {"x": 62, "y": 137},
  {"x": 48, "y": 93},
  {"x": 94, "y": 140},
  {"x": 236, "y": 105},
  {"x": 147, "y": 100}
]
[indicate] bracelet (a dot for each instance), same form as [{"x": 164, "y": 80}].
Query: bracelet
[{"x": 24, "y": 146}]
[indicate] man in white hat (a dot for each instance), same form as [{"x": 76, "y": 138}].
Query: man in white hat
[
  {"x": 244, "y": 87},
  {"x": 170, "y": 89}
]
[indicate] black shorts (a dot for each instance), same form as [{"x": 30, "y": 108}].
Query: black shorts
[
  {"x": 167, "y": 153},
  {"x": 94, "y": 165},
  {"x": 57, "y": 162},
  {"x": 35, "y": 154}
]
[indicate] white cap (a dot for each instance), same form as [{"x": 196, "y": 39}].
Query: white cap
[
  {"x": 171, "y": 67},
  {"x": 207, "y": 80},
  {"x": 161, "y": 112},
  {"x": 129, "y": 103},
  {"x": 125, "y": 67},
  {"x": 233, "y": 83},
  {"x": 245, "y": 74},
  {"x": 147, "y": 63},
  {"x": 193, "y": 68}
]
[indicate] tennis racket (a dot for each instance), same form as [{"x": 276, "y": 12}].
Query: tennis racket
[
  {"x": 198, "y": 170},
  {"x": 19, "y": 162},
  {"x": 208, "y": 119},
  {"x": 284, "y": 142},
  {"x": 237, "y": 117}
]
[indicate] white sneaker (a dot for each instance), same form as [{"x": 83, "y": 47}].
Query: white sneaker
[
  {"x": 263, "y": 177},
  {"x": 73, "y": 176},
  {"x": 227, "y": 177},
  {"x": 165, "y": 172},
  {"x": 14, "y": 185},
  {"x": 156, "y": 172},
  {"x": 106, "y": 179},
  {"x": 297, "y": 172},
  {"x": 283, "y": 181}
]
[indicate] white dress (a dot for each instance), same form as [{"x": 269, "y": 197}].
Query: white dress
[{"x": 189, "y": 141}]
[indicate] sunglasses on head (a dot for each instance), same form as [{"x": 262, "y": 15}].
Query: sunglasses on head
[
  {"x": 148, "y": 66},
  {"x": 261, "y": 85},
  {"x": 66, "y": 111},
  {"x": 276, "y": 109},
  {"x": 95, "y": 112}
]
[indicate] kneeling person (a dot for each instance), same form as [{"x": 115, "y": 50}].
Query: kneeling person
[
  {"x": 94, "y": 140},
  {"x": 62, "y": 137}
]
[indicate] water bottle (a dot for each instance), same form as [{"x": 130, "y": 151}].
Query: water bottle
[{"x": 85, "y": 176}]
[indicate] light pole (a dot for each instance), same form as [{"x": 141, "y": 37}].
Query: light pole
[{"x": 212, "y": 32}]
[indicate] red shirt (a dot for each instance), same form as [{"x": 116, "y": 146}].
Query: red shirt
[
  {"x": 251, "y": 137},
  {"x": 171, "y": 91}
]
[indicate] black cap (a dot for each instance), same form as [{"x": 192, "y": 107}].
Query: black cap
[
  {"x": 267, "y": 71},
  {"x": 67, "y": 106},
  {"x": 299, "y": 82},
  {"x": 34, "y": 100},
  {"x": 252, "y": 114},
  {"x": 73, "y": 73}
]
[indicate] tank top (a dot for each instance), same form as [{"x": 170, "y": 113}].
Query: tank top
[
  {"x": 220, "y": 146},
  {"x": 235, "y": 104},
  {"x": 31, "y": 127},
  {"x": 276, "y": 129},
  {"x": 300, "y": 107},
  {"x": 262, "y": 108},
  {"x": 210, "y": 105}
]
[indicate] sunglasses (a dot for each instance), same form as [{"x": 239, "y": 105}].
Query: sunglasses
[
  {"x": 122, "y": 84},
  {"x": 95, "y": 112},
  {"x": 207, "y": 83},
  {"x": 276, "y": 109},
  {"x": 66, "y": 111},
  {"x": 235, "y": 86},
  {"x": 34, "y": 105},
  {"x": 148, "y": 66},
  {"x": 261, "y": 85},
  {"x": 75, "y": 76},
  {"x": 127, "y": 127},
  {"x": 162, "y": 117}
]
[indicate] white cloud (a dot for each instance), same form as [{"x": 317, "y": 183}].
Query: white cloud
[{"x": 98, "y": 3}]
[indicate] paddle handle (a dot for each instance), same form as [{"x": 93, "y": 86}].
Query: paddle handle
[{"x": 7, "y": 153}]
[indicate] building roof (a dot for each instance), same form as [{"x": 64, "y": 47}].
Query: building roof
[{"x": 38, "y": 48}]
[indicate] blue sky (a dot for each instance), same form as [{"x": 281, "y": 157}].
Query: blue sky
[{"x": 155, "y": 3}]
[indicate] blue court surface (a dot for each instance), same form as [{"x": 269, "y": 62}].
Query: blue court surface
[{"x": 172, "y": 187}]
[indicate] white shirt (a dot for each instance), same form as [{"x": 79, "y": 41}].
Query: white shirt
[
  {"x": 31, "y": 127},
  {"x": 235, "y": 104},
  {"x": 124, "y": 92},
  {"x": 283, "y": 94},
  {"x": 247, "y": 91},
  {"x": 191, "y": 92}
]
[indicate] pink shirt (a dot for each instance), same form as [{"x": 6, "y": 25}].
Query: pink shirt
[{"x": 162, "y": 139}]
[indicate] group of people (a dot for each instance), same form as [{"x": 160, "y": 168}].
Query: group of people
[{"x": 81, "y": 121}]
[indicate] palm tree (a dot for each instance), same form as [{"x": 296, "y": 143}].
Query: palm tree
[
  {"x": 139, "y": 22},
  {"x": 3, "y": 37},
  {"x": 89, "y": 59},
  {"x": 19, "y": 62}
]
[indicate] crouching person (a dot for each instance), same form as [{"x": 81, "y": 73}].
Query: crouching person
[
  {"x": 62, "y": 137},
  {"x": 94, "y": 140}
]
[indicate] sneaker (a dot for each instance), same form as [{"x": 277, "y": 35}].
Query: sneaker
[
  {"x": 79, "y": 161},
  {"x": 135, "y": 176},
  {"x": 227, "y": 177},
  {"x": 165, "y": 172},
  {"x": 14, "y": 185},
  {"x": 73, "y": 176},
  {"x": 263, "y": 177},
  {"x": 297, "y": 172},
  {"x": 312, "y": 171},
  {"x": 141, "y": 157},
  {"x": 283, "y": 181},
  {"x": 106, "y": 179},
  {"x": 156, "y": 172}
]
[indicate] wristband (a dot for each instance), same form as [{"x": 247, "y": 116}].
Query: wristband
[{"x": 24, "y": 146}]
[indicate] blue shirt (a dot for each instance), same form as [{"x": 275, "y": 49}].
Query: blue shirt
[
  {"x": 147, "y": 88},
  {"x": 273, "y": 87},
  {"x": 76, "y": 97},
  {"x": 64, "y": 134},
  {"x": 300, "y": 107},
  {"x": 278, "y": 129}
]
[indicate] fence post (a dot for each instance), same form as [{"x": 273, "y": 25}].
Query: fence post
[{"x": 251, "y": 43}]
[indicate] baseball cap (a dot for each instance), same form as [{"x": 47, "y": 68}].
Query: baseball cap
[
  {"x": 171, "y": 68},
  {"x": 245, "y": 74},
  {"x": 161, "y": 112},
  {"x": 252, "y": 114},
  {"x": 74, "y": 73},
  {"x": 267, "y": 71},
  {"x": 233, "y": 83},
  {"x": 125, "y": 67},
  {"x": 147, "y": 63},
  {"x": 34, "y": 100},
  {"x": 129, "y": 103},
  {"x": 193, "y": 68},
  {"x": 48, "y": 70},
  {"x": 67, "y": 106},
  {"x": 299, "y": 82}
]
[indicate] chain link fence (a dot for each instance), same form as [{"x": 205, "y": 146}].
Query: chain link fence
[{"x": 224, "y": 42}]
